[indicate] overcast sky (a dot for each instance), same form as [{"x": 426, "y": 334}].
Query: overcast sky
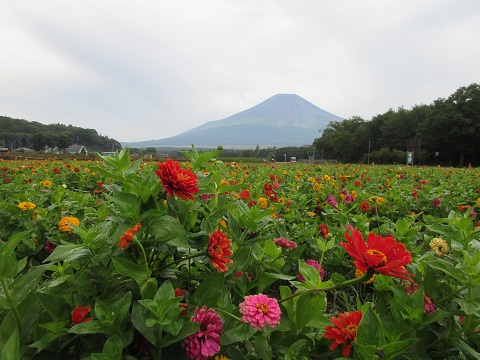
[{"x": 151, "y": 69}]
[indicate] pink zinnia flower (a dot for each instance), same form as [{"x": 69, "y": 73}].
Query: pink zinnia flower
[
  {"x": 260, "y": 310},
  {"x": 285, "y": 243},
  {"x": 206, "y": 341},
  {"x": 314, "y": 264},
  {"x": 332, "y": 201}
]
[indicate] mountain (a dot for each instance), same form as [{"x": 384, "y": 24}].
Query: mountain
[{"x": 282, "y": 120}]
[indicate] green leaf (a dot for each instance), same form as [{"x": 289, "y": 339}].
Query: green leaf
[
  {"x": 237, "y": 334},
  {"x": 27, "y": 283},
  {"x": 139, "y": 320},
  {"x": 308, "y": 304},
  {"x": 69, "y": 252},
  {"x": 370, "y": 330},
  {"x": 448, "y": 269},
  {"x": 114, "y": 347},
  {"x": 268, "y": 278},
  {"x": 263, "y": 347},
  {"x": 167, "y": 229},
  {"x": 209, "y": 290},
  {"x": 130, "y": 269},
  {"x": 310, "y": 274},
  {"x": 90, "y": 327},
  {"x": 13, "y": 241},
  {"x": 393, "y": 349},
  {"x": 464, "y": 347},
  {"x": 11, "y": 350},
  {"x": 8, "y": 266},
  {"x": 128, "y": 204}
]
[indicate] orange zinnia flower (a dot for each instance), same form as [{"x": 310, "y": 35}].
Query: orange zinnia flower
[
  {"x": 218, "y": 250},
  {"x": 384, "y": 255},
  {"x": 126, "y": 238},
  {"x": 64, "y": 223},
  {"x": 344, "y": 331},
  {"x": 177, "y": 181}
]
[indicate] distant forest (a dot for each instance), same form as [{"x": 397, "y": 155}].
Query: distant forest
[
  {"x": 448, "y": 132},
  {"x": 445, "y": 132},
  {"x": 17, "y": 133}
]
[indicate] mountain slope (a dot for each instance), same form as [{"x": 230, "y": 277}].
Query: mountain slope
[{"x": 282, "y": 120}]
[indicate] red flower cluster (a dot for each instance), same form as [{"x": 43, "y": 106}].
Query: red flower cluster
[
  {"x": 79, "y": 313},
  {"x": 126, "y": 238},
  {"x": 384, "y": 255},
  {"x": 218, "y": 250},
  {"x": 177, "y": 181},
  {"x": 344, "y": 331},
  {"x": 323, "y": 229}
]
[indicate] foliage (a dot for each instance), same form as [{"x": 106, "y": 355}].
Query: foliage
[
  {"x": 450, "y": 127},
  {"x": 17, "y": 133},
  {"x": 141, "y": 263}
]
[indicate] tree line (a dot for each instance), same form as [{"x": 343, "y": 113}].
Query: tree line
[
  {"x": 17, "y": 133},
  {"x": 448, "y": 132}
]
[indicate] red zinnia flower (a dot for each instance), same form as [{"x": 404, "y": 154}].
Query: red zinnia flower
[
  {"x": 344, "y": 331},
  {"x": 365, "y": 206},
  {"x": 218, "y": 250},
  {"x": 323, "y": 228},
  {"x": 177, "y": 181},
  {"x": 79, "y": 313},
  {"x": 206, "y": 341},
  {"x": 245, "y": 194},
  {"x": 384, "y": 255}
]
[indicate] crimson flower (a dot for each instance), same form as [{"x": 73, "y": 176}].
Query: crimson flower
[
  {"x": 344, "y": 331},
  {"x": 206, "y": 341},
  {"x": 177, "y": 181},
  {"x": 219, "y": 247},
  {"x": 323, "y": 229},
  {"x": 365, "y": 206},
  {"x": 79, "y": 313},
  {"x": 384, "y": 255}
]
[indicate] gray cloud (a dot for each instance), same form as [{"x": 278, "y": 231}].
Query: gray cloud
[{"x": 153, "y": 69}]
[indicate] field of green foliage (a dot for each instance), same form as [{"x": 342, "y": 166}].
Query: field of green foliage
[{"x": 205, "y": 259}]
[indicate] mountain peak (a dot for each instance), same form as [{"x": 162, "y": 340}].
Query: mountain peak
[{"x": 281, "y": 120}]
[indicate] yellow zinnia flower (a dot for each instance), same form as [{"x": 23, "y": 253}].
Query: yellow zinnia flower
[
  {"x": 439, "y": 246},
  {"x": 64, "y": 226},
  {"x": 27, "y": 205}
]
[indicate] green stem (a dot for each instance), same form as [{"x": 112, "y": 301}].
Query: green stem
[
  {"x": 180, "y": 260},
  {"x": 367, "y": 276},
  {"x": 9, "y": 298},
  {"x": 229, "y": 314},
  {"x": 144, "y": 255}
]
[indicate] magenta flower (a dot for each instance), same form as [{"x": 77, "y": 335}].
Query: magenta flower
[
  {"x": 348, "y": 199},
  {"x": 332, "y": 201},
  {"x": 314, "y": 264},
  {"x": 260, "y": 310},
  {"x": 436, "y": 202},
  {"x": 285, "y": 243},
  {"x": 206, "y": 341}
]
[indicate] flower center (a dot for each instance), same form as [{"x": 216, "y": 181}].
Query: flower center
[
  {"x": 375, "y": 258},
  {"x": 218, "y": 249},
  {"x": 350, "y": 332},
  {"x": 263, "y": 308}
]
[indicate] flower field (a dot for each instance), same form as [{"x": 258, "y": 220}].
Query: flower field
[{"x": 201, "y": 259}]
